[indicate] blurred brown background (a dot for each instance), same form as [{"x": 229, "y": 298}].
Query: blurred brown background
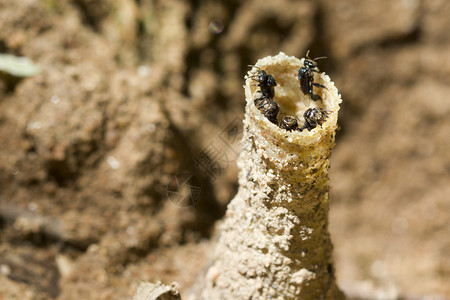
[{"x": 118, "y": 158}]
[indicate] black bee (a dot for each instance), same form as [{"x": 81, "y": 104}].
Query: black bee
[
  {"x": 266, "y": 83},
  {"x": 314, "y": 117},
  {"x": 269, "y": 109},
  {"x": 288, "y": 123},
  {"x": 306, "y": 77}
]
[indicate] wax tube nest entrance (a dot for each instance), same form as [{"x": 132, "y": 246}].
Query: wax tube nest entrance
[
  {"x": 283, "y": 147},
  {"x": 290, "y": 98},
  {"x": 274, "y": 241}
]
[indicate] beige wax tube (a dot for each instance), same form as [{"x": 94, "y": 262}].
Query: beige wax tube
[{"x": 274, "y": 241}]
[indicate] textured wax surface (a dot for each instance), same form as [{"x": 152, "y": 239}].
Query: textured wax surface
[{"x": 274, "y": 241}]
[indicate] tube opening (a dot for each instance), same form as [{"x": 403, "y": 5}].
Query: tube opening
[{"x": 292, "y": 101}]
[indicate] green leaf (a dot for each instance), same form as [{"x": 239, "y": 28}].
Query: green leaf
[{"x": 18, "y": 66}]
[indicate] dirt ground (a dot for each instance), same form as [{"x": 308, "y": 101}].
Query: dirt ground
[{"x": 97, "y": 150}]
